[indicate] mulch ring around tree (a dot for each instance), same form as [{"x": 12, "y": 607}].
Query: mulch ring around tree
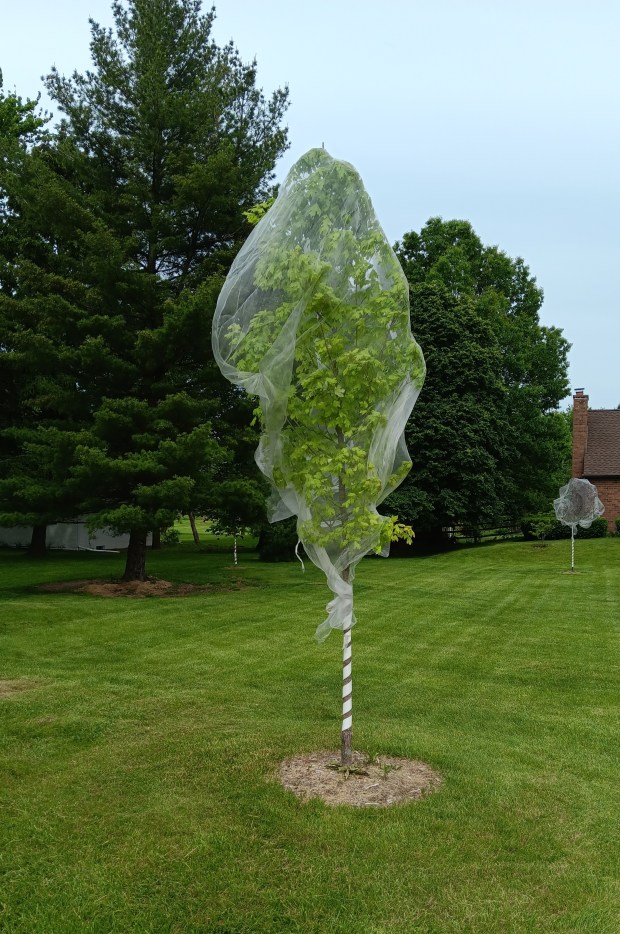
[
  {"x": 148, "y": 588},
  {"x": 378, "y": 783}
]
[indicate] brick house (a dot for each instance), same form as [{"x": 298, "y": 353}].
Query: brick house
[{"x": 596, "y": 452}]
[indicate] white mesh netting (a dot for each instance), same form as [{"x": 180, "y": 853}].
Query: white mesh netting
[
  {"x": 314, "y": 320},
  {"x": 578, "y": 504}
]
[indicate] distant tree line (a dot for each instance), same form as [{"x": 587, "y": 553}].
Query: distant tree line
[{"x": 117, "y": 229}]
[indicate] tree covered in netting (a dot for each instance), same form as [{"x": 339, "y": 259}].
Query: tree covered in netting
[
  {"x": 577, "y": 505},
  {"x": 314, "y": 320}
]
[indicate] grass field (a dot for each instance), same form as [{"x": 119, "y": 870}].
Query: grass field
[
  {"x": 213, "y": 543},
  {"x": 142, "y": 737}
]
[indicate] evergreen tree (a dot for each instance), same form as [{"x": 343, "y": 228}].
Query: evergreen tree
[
  {"x": 59, "y": 277},
  {"x": 168, "y": 141},
  {"x": 32, "y": 487}
]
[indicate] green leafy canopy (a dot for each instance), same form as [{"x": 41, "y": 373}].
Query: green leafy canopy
[{"x": 353, "y": 353}]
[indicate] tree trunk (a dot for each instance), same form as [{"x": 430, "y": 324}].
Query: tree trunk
[
  {"x": 346, "y": 737},
  {"x": 156, "y": 539},
  {"x": 135, "y": 567},
  {"x": 192, "y": 522},
  {"x": 37, "y": 547}
]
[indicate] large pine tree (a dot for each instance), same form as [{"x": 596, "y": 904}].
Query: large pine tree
[
  {"x": 35, "y": 297},
  {"x": 167, "y": 140}
]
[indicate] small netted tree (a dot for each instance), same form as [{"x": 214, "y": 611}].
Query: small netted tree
[{"x": 577, "y": 505}]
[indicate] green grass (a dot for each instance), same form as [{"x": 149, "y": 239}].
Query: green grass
[
  {"x": 208, "y": 540},
  {"x": 138, "y": 785}
]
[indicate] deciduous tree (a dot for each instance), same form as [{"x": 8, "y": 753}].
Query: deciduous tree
[{"x": 487, "y": 440}]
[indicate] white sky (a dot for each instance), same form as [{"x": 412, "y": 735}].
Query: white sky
[{"x": 501, "y": 112}]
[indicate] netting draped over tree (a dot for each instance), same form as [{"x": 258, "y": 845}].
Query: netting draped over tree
[
  {"x": 314, "y": 320},
  {"x": 578, "y": 504}
]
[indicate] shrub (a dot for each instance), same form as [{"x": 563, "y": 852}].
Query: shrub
[
  {"x": 548, "y": 527},
  {"x": 598, "y": 529},
  {"x": 170, "y": 536},
  {"x": 541, "y": 527},
  {"x": 277, "y": 542}
]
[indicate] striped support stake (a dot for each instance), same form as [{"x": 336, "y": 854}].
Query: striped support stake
[
  {"x": 346, "y": 751},
  {"x": 572, "y": 548},
  {"x": 235, "y": 550}
]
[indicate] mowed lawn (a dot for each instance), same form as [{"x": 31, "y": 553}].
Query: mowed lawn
[{"x": 141, "y": 742}]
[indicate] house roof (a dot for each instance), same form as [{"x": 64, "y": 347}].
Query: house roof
[{"x": 602, "y": 458}]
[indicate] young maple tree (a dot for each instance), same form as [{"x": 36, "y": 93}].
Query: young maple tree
[{"x": 314, "y": 319}]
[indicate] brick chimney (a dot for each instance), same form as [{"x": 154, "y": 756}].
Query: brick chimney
[{"x": 580, "y": 431}]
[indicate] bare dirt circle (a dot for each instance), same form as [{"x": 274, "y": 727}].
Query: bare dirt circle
[{"x": 380, "y": 782}]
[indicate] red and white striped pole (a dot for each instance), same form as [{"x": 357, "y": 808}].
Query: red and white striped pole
[{"x": 346, "y": 752}]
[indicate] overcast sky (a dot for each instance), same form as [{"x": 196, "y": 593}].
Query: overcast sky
[{"x": 501, "y": 112}]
